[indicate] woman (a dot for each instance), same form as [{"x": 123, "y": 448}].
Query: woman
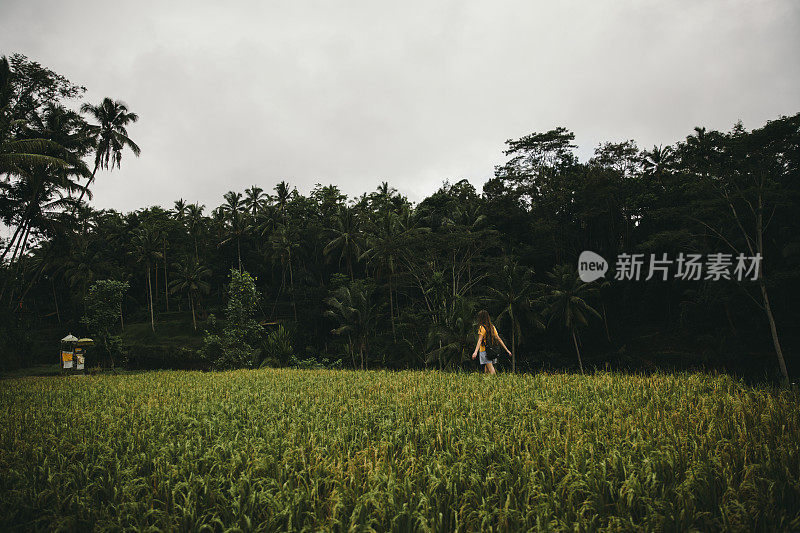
[{"x": 485, "y": 325}]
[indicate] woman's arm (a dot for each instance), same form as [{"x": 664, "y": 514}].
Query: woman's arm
[
  {"x": 475, "y": 353},
  {"x": 503, "y": 344}
]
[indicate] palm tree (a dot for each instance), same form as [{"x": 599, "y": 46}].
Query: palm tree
[
  {"x": 194, "y": 222},
  {"x": 454, "y": 335},
  {"x": 180, "y": 209},
  {"x": 145, "y": 248},
  {"x": 513, "y": 297},
  {"x": 383, "y": 196},
  {"x": 26, "y": 150},
  {"x": 657, "y": 161},
  {"x": 345, "y": 238},
  {"x": 109, "y": 138},
  {"x": 284, "y": 243},
  {"x": 254, "y": 200},
  {"x": 233, "y": 202},
  {"x": 41, "y": 176},
  {"x": 265, "y": 223},
  {"x": 384, "y": 241},
  {"x": 565, "y": 295},
  {"x": 237, "y": 227},
  {"x": 352, "y": 307},
  {"x": 281, "y": 198},
  {"x": 44, "y": 220},
  {"x": 235, "y": 222},
  {"x": 110, "y": 135},
  {"x": 190, "y": 278},
  {"x": 79, "y": 268},
  {"x": 39, "y": 184}
]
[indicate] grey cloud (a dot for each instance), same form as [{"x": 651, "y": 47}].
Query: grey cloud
[{"x": 357, "y": 92}]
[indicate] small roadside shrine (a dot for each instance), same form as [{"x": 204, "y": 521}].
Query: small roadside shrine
[{"x": 72, "y": 355}]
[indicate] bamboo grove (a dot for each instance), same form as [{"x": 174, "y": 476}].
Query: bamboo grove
[{"x": 378, "y": 281}]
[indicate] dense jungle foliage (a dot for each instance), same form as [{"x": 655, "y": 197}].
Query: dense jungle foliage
[{"x": 378, "y": 281}]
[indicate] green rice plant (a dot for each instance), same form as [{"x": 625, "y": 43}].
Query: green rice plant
[{"x": 289, "y": 449}]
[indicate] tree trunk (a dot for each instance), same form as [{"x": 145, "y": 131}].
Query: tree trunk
[
  {"x": 350, "y": 266},
  {"x": 35, "y": 277},
  {"x": 763, "y": 286},
  {"x": 773, "y": 330},
  {"x": 605, "y": 322},
  {"x": 155, "y": 281},
  {"x": 23, "y": 237},
  {"x": 86, "y": 188},
  {"x": 13, "y": 239},
  {"x": 513, "y": 345},
  {"x": 150, "y": 293},
  {"x": 577, "y": 351},
  {"x": 350, "y": 350},
  {"x": 239, "y": 253},
  {"x": 291, "y": 282},
  {"x": 730, "y": 319},
  {"x": 166, "y": 288},
  {"x": 55, "y": 300},
  {"x": 391, "y": 308},
  {"x": 12, "y": 273},
  {"x": 191, "y": 304}
]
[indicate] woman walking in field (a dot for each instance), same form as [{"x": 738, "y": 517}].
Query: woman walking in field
[{"x": 487, "y": 330}]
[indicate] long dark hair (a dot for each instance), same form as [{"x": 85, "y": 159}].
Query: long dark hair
[{"x": 485, "y": 321}]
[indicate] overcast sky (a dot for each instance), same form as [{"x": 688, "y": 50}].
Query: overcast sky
[{"x": 232, "y": 94}]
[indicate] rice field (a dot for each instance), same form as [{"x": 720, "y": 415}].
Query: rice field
[{"x": 282, "y": 449}]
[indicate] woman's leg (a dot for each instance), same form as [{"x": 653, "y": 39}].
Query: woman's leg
[{"x": 489, "y": 367}]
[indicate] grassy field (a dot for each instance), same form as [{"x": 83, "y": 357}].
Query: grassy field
[{"x": 405, "y": 451}]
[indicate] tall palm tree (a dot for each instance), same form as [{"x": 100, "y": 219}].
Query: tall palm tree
[
  {"x": 180, "y": 209},
  {"x": 24, "y": 150},
  {"x": 383, "y": 196},
  {"x": 566, "y": 296},
  {"x": 281, "y": 198},
  {"x": 513, "y": 296},
  {"x": 265, "y": 223},
  {"x": 79, "y": 268},
  {"x": 194, "y": 223},
  {"x": 284, "y": 244},
  {"x": 110, "y": 135},
  {"x": 146, "y": 250},
  {"x": 39, "y": 177},
  {"x": 657, "y": 162},
  {"x": 233, "y": 202},
  {"x": 254, "y": 200},
  {"x": 352, "y": 307},
  {"x": 39, "y": 185},
  {"x": 384, "y": 241},
  {"x": 345, "y": 238},
  {"x": 190, "y": 278},
  {"x": 236, "y": 225},
  {"x": 451, "y": 337}
]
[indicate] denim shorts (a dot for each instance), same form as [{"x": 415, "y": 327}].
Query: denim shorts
[{"x": 484, "y": 360}]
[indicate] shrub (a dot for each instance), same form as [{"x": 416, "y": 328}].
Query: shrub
[
  {"x": 103, "y": 304},
  {"x": 234, "y": 347}
]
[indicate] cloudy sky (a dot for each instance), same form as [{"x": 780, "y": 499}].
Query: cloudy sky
[{"x": 355, "y": 92}]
